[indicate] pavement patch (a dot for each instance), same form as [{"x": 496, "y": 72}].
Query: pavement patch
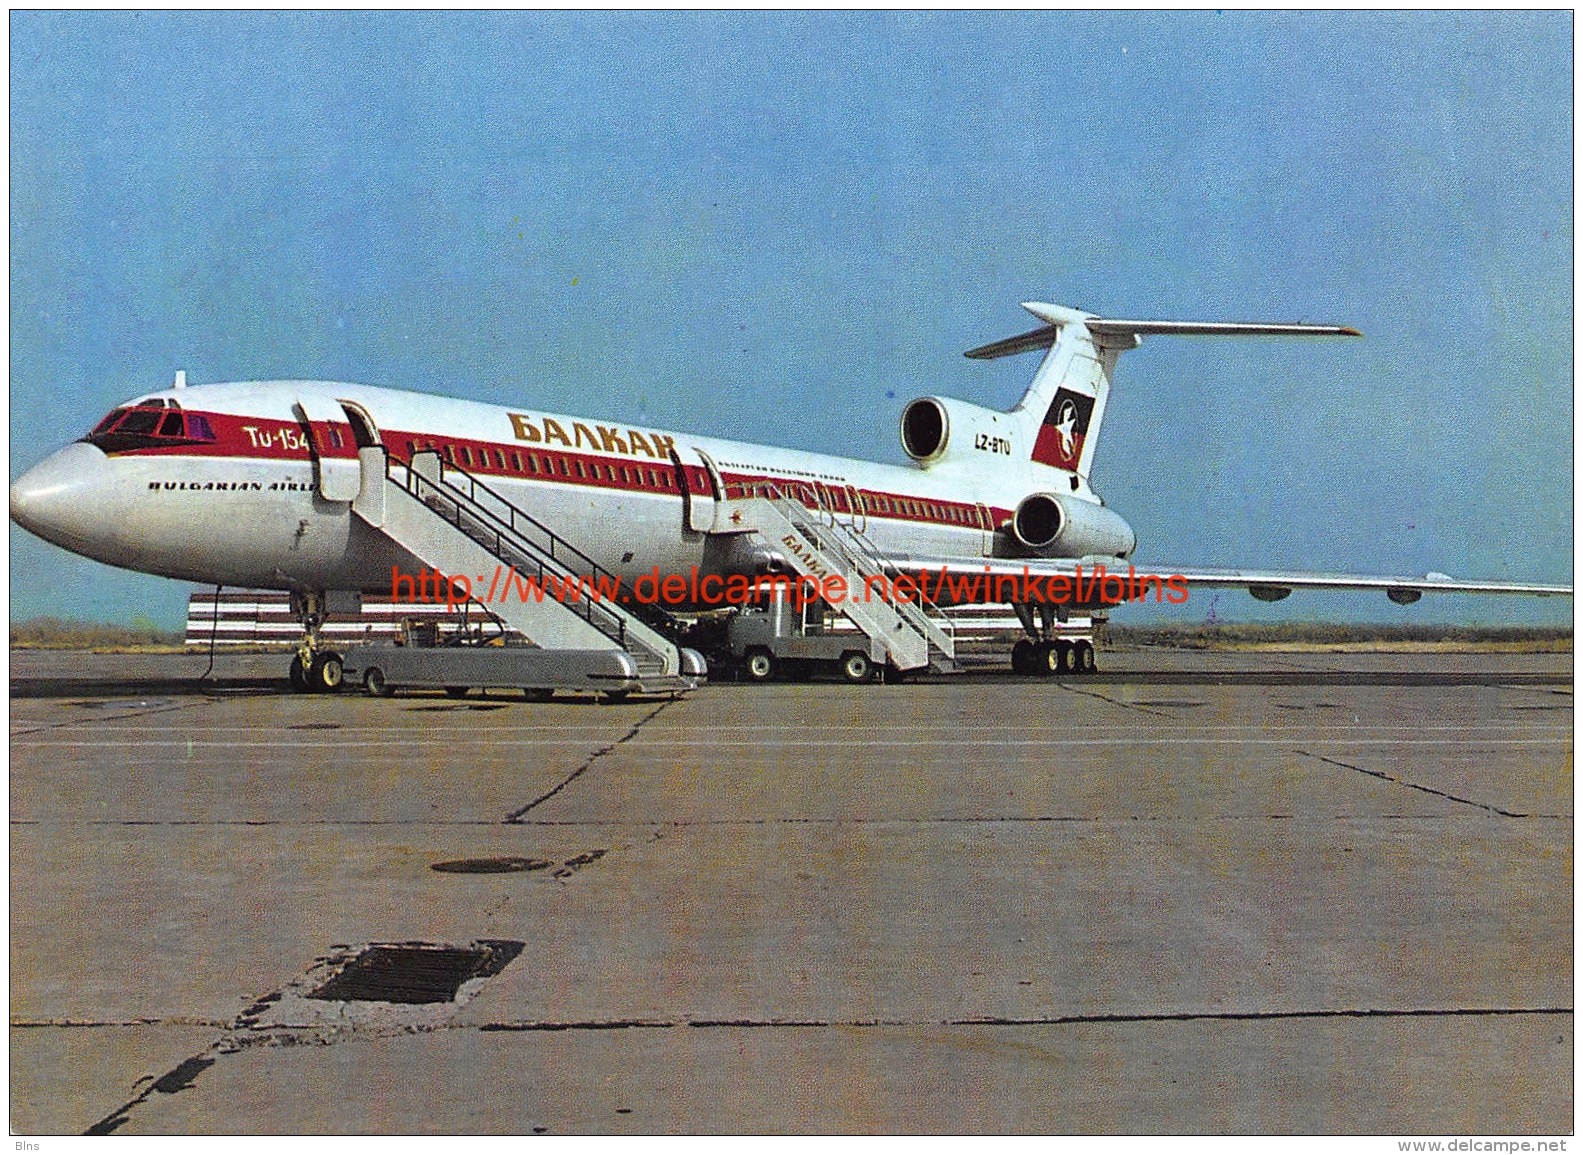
[{"x": 416, "y": 972}]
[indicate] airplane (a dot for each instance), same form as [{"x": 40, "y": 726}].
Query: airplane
[{"x": 298, "y": 486}]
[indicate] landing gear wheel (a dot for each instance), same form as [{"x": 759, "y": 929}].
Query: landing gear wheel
[
  {"x": 1046, "y": 660},
  {"x": 1083, "y": 658},
  {"x": 299, "y": 676},
  {"x": 760, "y": 665},
  {"x": 324, "y": 676},
  {"x": 1022, "y": 657},
  {"x": 1063, "y": 658},
  {"x": 537, "y": 694},
  {"x": 374, "y": 682},
  {"x": 456, "y": 691},
  {"x": 855, "y": 666}
]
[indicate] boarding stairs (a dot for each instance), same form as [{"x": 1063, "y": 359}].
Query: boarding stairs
[
  {"x": 456, "y": 524},
  {"x": 908, "y": 634}
]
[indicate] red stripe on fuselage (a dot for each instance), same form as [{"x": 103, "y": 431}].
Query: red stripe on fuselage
[{"x": 273, "y": 440}]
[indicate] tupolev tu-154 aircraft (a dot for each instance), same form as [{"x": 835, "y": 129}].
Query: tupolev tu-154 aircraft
[{"x": 328, "y": 489}]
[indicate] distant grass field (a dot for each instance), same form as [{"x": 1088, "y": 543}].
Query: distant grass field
[
  {"x": 1330, "y": 636},
  {"x": 63, "y": 634}
]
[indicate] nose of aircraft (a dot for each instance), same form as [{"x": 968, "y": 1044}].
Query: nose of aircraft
[{"x": 68, "y": 498}]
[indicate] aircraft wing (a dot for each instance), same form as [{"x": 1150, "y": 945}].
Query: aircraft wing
[{"x": 1266, "y": 585}]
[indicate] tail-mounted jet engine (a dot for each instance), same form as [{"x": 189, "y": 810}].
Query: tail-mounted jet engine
[
  {"x": 1052, "y": 525},
  {"x": 934, "y": 428}
]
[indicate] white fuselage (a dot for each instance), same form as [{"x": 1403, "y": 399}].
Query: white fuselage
[{"x": 241, "y": 498}]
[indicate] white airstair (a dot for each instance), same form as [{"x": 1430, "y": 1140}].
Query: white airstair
[
  {"x": 906, "y": 632},
  {"x": 455, "y": 524}
]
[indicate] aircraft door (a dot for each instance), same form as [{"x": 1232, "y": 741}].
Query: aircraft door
[
  {"x": 332, "y": 447},
  {"x": 370, "y": 501},
  {"x": 854, "y": 500},
  {"x": 987, "y": 522},
  {"x": 698, "y": 501}
]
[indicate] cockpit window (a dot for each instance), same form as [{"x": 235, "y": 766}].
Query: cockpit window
[
  {"x": 149, "y": 425},
  {"x": 140, "y": 421},
  {"x": 108, "y": 423}
]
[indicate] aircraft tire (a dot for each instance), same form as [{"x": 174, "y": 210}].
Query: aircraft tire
[
  {"x": 759, "y": 665},
  {"x": 537, "y": 693},
  {"x": 374, "y": 682},
  {"x": 299, "y": 676},
  {"x": 1022, "y": 657},
  {"x": 1045, "y": 659},
  {"x": 1083, "y": 658},
  {"x": 456, "y": 691},
  {"x": 325, "y": 675},
  {"x": 1064, "y": 659},
  {"x": 855, "y": 666}
]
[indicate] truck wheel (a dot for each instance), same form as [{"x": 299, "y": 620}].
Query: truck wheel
[
  {"x": 855, "y": 666},
  {"x": 324, "y": 676},
  {"x": 374, "y": 682},
  {"x": 456, "y": 691},
  {"x": 759, "y": 665}
]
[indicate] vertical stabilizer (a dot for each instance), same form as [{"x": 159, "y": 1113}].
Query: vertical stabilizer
[{"x": 1065, "y": 404}]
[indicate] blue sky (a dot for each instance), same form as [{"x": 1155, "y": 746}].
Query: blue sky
[{"x": 782, "y": 226}]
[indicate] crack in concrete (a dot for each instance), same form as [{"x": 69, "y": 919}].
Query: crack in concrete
[
  {"x": 1010, "y": 1021},
  {"x": 109, "y": 722},
  {"x": 1071, "y": 689},
  {"x": 241, "y": 1035},
  {"x": 179, "y": 1078},
  {"x": 1415, "y": 786},
  {"x": 516, "y": 815},
  {"x": 688, "y": 823}
]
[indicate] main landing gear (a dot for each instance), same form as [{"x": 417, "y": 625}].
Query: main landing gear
[
  {"x": 313, "y": 670},
  {"x": 1041, "y": 655}
]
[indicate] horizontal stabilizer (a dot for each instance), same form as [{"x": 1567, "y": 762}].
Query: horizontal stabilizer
[
  {"x": 1219, "y": 329},
  {"x": 1041, "y": 338},
  {"x": 1056, "y": 316}
]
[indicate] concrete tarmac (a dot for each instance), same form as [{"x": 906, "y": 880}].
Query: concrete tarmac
[{"x": 1269, "y": 893}]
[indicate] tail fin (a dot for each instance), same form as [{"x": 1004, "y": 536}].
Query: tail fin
[{"x": 1065, "y": 403}]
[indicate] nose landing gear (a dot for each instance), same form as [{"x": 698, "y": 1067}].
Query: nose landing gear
[{"x": 313, "y": 670}]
